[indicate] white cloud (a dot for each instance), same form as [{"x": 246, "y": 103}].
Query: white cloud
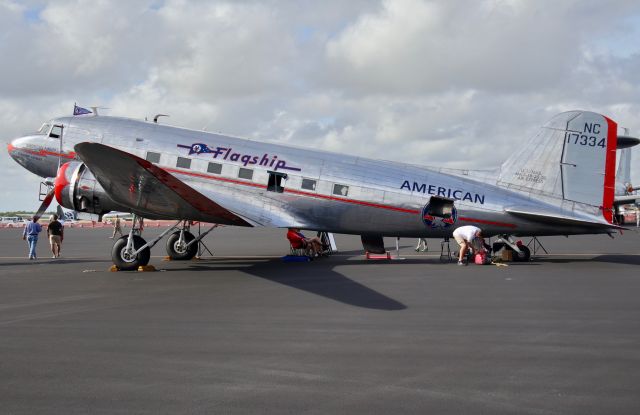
[{"x": 446, "y": 83}]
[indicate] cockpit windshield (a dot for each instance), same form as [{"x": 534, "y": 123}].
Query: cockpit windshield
[{"x": 44, "y": 129}]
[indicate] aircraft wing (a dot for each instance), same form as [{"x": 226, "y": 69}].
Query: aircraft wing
[
  {"x": 148, "y": 190},
  {"x": 553, "y": 218}
]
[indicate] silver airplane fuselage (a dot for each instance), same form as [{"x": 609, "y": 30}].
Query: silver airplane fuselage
[{"x": 320, "y": 190}]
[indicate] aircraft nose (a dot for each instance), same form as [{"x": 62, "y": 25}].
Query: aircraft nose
[{"x": 11, "y": 147}]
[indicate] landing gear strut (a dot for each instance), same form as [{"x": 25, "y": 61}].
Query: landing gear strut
[
  {"x": 520, "y": 252},
  {"x": 179, "y": 246},
  {"x": 132, "y": 251},
  {"x": 182, "y": 245},
  {"x": 132, "y": 258}
]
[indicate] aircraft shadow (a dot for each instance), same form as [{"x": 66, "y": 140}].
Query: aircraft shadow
[
  {"x": 612, "y": 259},
  {"x": 317, "y": 278},
  {"x": 51, "y": 261}
]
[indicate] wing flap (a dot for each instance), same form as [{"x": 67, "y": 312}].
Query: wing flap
[{"x": 148, "y": 190}]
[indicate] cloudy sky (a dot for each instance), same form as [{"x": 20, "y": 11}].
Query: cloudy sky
[{"x": 456, "y": 83}]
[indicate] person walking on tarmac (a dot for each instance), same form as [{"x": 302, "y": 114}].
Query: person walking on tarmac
[
  {"x": 55, "y": 231},
  {"x": 30, "y": 234},
  {"x": 466, "y": 236},
  {"x": 116, "y": 227},
  {"x": 422, "y": 245}
]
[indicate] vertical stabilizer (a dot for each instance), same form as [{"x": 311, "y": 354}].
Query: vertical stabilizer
[
  {"x": 572, "y": 158},
  {"x": 624, "y": 167}
]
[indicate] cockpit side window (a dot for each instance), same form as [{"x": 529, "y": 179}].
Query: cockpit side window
[
  {"x": 44, "y": 129},
  {"x": 56, "y": 131}
]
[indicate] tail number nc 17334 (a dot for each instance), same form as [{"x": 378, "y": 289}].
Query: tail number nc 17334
[{"x": 584, "y": 138}]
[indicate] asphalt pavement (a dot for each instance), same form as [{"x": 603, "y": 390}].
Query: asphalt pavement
[{"x": 244, "y": 332}]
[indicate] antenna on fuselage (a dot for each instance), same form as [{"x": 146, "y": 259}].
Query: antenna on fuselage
[{"x": 155, "y": 119}]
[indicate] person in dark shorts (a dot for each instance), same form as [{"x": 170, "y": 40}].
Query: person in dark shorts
[{"x": 55, "y": 231}]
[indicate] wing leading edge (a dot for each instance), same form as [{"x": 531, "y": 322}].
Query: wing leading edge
[{"x": 148, "y": 190}]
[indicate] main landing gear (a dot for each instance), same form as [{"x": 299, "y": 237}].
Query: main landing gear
[
  {"x": 132, "y": 251},
  {"x": 521, "y": 253}
]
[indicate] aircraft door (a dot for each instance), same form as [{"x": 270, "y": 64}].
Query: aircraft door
[
  {"x": 56, "y": 133},
  {"x": 440, "y": 213}
]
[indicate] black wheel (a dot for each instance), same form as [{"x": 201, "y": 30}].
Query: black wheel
[
  {"x": 178, "y": 251},
  {"x": 523, "y": 256},
  {"x": 497, "y": 246},
  {"x": 126, "y": 262}
]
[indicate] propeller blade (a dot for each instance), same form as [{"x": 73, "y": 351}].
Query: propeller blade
[{"x": 44, "y": 205}]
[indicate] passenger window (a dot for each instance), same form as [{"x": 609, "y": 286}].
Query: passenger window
[
  {"x": 183, "y": 163},
  {"x": 340, "y": 189},
  {"x": 275, "y": 182},
  {"x": 308, "y": 184},
  {"x": 56, "y": 131},
  {"x": 153, "y": 157},
  {"x": 245, "y": 174},
  {"x": 215, "y": 168}
]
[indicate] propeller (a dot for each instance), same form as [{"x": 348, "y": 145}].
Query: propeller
[{"x": 44, "y": 205}]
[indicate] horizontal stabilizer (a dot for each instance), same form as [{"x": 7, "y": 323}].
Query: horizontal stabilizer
[
  {"x": 626, "y": 141},
  {"x": 625, "y": 200},
  {"x": 148, "y": 190},
  {"x": 555, "y": 218}
]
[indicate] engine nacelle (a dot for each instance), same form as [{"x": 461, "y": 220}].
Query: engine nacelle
[{"x": 76, "y": 188}]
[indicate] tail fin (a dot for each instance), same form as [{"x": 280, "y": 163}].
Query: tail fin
[
  {"x": 624, "y": 167},
  {"x": 572, "y": 158}
]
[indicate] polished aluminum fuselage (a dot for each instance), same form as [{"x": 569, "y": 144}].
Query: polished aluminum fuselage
[{"x": 383, "y": 197}]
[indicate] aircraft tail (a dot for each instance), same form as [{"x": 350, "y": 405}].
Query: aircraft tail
[
  {"x": 624, "y": 167},
  {"x": 572, "y": 158}
]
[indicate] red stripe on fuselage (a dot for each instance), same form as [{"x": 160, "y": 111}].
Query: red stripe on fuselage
[
  {"x": 71, "y": 155},
  {"x": 327, "y": 197},
  {"x": 488, "y": 222},
  {"x": 608, "y": 194}
]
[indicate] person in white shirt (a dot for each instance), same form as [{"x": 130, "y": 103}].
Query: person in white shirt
[{"x": 466, "y": 237}]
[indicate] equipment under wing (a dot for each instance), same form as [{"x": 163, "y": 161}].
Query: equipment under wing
[
  {"x": 555, "y": 218},
  {"x": 148, "y": 190}
]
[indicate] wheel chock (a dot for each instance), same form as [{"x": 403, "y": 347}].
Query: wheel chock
[
  {"x": 167, "y": 258},
  {"x": 386, "y": 255},
  {"x": 114, "y": 269},
  {"x": 146, "y": 268}
]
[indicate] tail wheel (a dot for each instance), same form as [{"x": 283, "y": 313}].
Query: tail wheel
[
  {"x": 124, "y": 260},
  {"x": 180, "y": 251},
  {"x": 523, "y": 256}
]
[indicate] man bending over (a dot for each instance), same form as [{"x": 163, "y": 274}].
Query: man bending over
[{"x": 466, "y": 237}]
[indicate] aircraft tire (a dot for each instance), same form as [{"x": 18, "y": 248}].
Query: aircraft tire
[
  {"x": 180, "y": 254},
  {"x": 524, "y": 256},
  {"x": 120, "y": 258}
]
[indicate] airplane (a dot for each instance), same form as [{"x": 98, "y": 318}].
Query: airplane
[
  {"x": 560, "y": 182},
  {"x": 625, "y": 191}
]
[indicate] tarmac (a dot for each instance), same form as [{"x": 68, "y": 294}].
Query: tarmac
[{"x": 244, "y": 332}]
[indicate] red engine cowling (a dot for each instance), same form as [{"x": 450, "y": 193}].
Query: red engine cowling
[{"x": 76, "y": 188}]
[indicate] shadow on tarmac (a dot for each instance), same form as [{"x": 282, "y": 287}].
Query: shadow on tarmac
[
  {"x": 610, "y": 259},
  {"x": 51, "y": 261},
  {"x": 319, "y": 279}
]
